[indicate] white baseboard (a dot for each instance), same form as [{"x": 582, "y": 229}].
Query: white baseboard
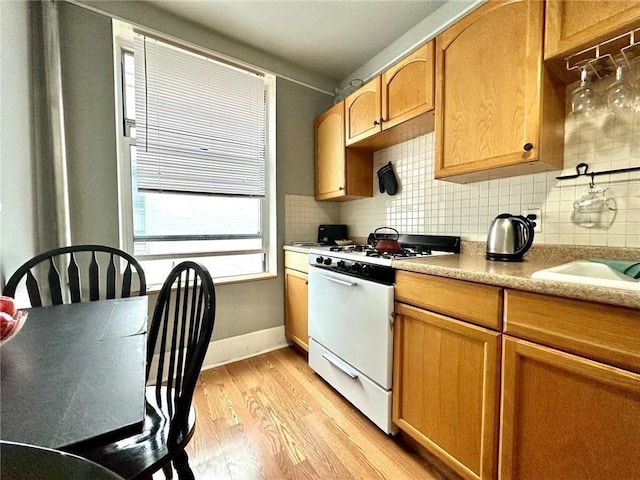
[
  {"x": 227, "y": 350},
  {"x": 244, "y": 346}
]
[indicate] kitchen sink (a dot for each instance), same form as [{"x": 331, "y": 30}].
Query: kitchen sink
[{"x": 588, "y": 273}]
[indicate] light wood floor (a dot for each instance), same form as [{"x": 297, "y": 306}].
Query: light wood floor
[{"x": 271, "y": 417}]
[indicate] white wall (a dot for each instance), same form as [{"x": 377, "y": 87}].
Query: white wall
[
  {"x": 148, "y": 15},
  {"x": 449, "y": 13},
  {"x": 17, "y": 229},
  {"x": 88, "y": 92}
]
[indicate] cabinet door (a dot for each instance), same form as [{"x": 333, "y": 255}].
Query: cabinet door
[
  {"x": 330, "y": 153},
  {"x": 565, "y": 417},
  {"x": 362, "y": 112},
  {"x": 572, "y": 26},
  {"x": 493, "y": 96},
  {"x": 407, "y": 87},
  {"x": 445, "y": 389},
  {"x": 296, "y": 301}
]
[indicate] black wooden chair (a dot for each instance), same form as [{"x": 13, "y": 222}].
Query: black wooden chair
[
  {"x": 180, "y": 332},
  {"x": 81, "y": 277}
]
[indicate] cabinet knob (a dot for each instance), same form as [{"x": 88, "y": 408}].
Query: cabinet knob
[
  {"x": 376, "y": 122},
  {"x": 340, "y": 188},
  {"x": 528, "y": 147}
]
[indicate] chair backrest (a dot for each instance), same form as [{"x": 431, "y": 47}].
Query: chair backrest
[
  {"x": 180, "y": 332},
  {"x": 78, "y": 273}
]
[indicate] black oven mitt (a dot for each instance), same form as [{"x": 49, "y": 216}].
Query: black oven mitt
[{"x": 387, "y": 180}]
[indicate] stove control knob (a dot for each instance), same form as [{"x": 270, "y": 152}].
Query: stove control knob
[
  {"x": 319, "y": 259},
  {"x": 327, "y": 261},
  {"x": 366, "y": 269},
  {"x": 341, "y": 264},
  {"x": 356, "y": 268}
]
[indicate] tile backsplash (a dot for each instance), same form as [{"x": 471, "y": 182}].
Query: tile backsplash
[
  {"x": 303, "y": 215},
  {"x": 427, "y": 206}
]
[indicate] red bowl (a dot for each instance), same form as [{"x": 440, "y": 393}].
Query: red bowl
[{"x": 10, "y": 328}]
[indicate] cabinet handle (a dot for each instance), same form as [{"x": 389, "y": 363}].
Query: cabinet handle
[
  {"x": 341, "y": 282},
  {"x": 376, "y": 122},
  {"x": 382, "y": 120},
  {"x": 340, "y": 365},
  {"x": 340, "y": 188},
  {"x": 528, "y": 147}
]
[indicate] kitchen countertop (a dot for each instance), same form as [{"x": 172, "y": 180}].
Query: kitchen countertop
[
  {"x": 471, "y": 265},
  {"x": 292, "y": 248}
]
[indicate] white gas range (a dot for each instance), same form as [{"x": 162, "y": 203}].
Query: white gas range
[{"x": 351, "y": 298}]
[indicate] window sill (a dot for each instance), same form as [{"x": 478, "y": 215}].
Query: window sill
[{"x": 155, "y": 288}]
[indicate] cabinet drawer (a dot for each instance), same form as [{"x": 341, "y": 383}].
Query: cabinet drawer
[
  {"x": 473, "y": 302},
  {"x": 600, "y": 332},
  {"x": 296, "y": 261},
  {"x": 366, "y": 395}
]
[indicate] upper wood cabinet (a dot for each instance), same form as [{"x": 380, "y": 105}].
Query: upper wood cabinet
[
  {"x": 407, "y": 87},
  {"x": 340, "y": 174},
  {"x": 571, "y": 27},
  {"x": 499, "y": 113},
  {"x": 400, "y": 97},
  {"x": 362, "y": 112}
]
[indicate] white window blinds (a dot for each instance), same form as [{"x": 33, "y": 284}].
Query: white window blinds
[{"x": 200, "y": 123}]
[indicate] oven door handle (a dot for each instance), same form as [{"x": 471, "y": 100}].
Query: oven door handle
[
  {"x": 340, "y": 365},
  {"x": 341, "y": 282}
]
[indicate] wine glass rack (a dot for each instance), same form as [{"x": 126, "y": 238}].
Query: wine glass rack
[{"x": 605, "y": 57}]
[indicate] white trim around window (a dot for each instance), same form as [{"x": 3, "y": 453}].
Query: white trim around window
[{"x": 126, "y": 203}]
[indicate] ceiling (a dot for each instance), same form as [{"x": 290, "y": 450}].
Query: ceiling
[{"x": 331, "y": 38}]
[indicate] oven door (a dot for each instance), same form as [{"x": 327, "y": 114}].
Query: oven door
[{"x": 353, "y": 319}]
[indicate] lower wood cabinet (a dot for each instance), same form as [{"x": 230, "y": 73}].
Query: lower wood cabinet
[
  {"x": 550, "y": 393},
  {"x": 296, "y": 299},
  {"x": 446, "y": 388},
  {"x": 566, "y": 417},
  {"x": 604, "y": 333}
]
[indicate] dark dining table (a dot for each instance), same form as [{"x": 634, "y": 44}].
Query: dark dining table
[
  {"x": 74, "y": 376},
  {"x": 28, "y": 462}
]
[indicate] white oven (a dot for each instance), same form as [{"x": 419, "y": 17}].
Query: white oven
[
  {"x": 351, "y": 339},
  {"x": 351, "y": 296}
]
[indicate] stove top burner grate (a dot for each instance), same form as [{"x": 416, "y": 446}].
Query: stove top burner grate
[{"x": 407, "y": 252}]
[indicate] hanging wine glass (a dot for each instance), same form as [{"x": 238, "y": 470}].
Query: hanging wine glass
[
  {"x": 631, "y": 55},
  {"x": 583, "y": 98},
  {"x": 634, "y": 69},
  {"x": 620, "y": 95}
]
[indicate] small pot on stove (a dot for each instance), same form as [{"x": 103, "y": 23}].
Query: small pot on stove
[{"x": 385, "y": 243}]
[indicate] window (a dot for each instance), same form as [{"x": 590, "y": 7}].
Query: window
[{"x": 195, "y": 163}]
